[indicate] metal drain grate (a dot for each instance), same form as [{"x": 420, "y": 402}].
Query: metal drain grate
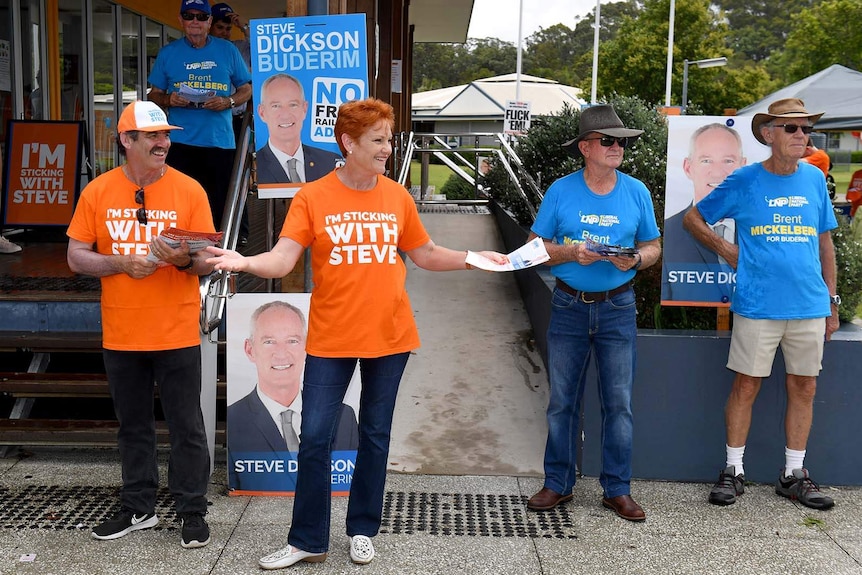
[
  {"x": 467, "y": 514},
  {"x": 455, "y": 514},
  {"x": 69, "y": 508},
  {"x": 452, "y": 209}
]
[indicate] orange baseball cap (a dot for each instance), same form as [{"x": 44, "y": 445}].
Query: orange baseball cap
[{"x": 144, "y": 116}]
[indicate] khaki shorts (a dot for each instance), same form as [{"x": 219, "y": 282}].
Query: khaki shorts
[{"x": 754, "y": 341}]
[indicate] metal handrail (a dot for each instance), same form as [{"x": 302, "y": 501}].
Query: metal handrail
[
  {"x": 409, "y": 144},
  {"x": 217, "y": 287}
]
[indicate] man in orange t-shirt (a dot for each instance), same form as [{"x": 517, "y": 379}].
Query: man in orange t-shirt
[{"x": 150, "y": 326}]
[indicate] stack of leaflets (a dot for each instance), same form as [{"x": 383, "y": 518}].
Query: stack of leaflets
[
  {"x": 610, "y": 250},
  {"x": 195, "y": 240}
]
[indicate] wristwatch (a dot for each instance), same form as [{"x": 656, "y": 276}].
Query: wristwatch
[
  {"x": 187, "y": 266},
  {"x": 637, "y": 265},
  {"x": 835, "y": 300},
  {"x": 232, "y": 102}
]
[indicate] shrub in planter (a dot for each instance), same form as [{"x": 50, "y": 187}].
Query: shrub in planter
[{"x": 848, "y": 258}]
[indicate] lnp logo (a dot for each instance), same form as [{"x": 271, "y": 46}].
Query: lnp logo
[{"x": 787, "y": 202}]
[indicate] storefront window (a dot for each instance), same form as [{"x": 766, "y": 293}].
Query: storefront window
[
  {"x": 132, "y": 87},
  {"x": 104, "y": 75},
  {"x": 71, "y": 60}
]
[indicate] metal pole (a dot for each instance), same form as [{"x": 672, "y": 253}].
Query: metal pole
[
  {"x": 684, "y": 86},
  {"x": 596, "y": 53},
  {"x": 520, "y": 42},
  {"x": 669, "y": 55}
]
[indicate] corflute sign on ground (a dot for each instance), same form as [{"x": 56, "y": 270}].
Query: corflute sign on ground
[{"x": 41, "y": 181}]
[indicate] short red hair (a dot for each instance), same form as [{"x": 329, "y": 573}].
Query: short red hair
[{"x": 358, "y": 116}]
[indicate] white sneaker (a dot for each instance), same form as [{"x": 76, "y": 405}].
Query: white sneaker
[
  {"x": 7, "y": 247},
  {"x": 288, "y": 556},
  {"x": 361, "y": 549}
]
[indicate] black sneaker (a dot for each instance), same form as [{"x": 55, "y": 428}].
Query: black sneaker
[
  {"x": 196, "y": 532},
  {"x": 728, "y": 487},
  {"x": 801, "y": 488},
  {"x": 123, "y": 523}
]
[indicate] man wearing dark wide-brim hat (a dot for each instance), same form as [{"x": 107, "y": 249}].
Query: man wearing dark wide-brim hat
[
  {"x": 785, "y": 289},
  {"x": 599, "y": 228}
]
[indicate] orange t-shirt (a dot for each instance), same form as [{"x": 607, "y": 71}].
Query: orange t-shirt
[
  {"x": 820, "y": 159},
  {"x": 854, "y": 192},
  {"x": 359, "y": 304},
  {"x": 162, "y": 310}
]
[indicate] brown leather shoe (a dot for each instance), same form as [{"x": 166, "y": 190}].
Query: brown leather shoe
[
  {"x": 546, "y": 499},
  {"x": 625, "y": 507}
]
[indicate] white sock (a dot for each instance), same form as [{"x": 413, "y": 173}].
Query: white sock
[
  {"x": 793, "y": 459},
  {"x": 734, "y": 457}
]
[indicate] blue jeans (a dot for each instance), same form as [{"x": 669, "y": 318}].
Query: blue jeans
[
  {"x": 132, "y": 376},
  {"x": 576, "y": 330},
  {"x": 324, "y": 385}
]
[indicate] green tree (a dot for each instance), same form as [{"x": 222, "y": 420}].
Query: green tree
[
  {"x": 549, "y": 53},
  {"x": 635, "y": 62},
  {"x": 759, "y": 28},
  {"x": 821, "y": 36},
  {"x": 432, "y": 66},
  {"x": 611, "y": 18},
  {"x": 485, "y": 58}
]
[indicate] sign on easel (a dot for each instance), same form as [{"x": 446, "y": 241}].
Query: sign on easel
[
  {"x": 41, "y": 179},
  {"x": 517, "y": 119}
]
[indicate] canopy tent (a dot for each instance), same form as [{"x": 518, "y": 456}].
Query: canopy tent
[{"x": 837, "y": 90}]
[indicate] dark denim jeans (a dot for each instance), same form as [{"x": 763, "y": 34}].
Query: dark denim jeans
[
  {"x": 323, "y": 389},
  {"x": 577, "y": 330},
  {"x": 131, "y": 379}
]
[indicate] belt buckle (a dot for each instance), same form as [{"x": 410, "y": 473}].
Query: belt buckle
[{"x": 581, "y": 296}]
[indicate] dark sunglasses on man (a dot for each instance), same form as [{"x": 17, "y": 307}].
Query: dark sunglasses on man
[
  {"x": 200, "y": 17},
  {"x": 608, "y": 141},
  {"x": 791, "y": 128}
]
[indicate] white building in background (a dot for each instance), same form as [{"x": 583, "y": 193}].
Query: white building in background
[{"x": 479, "y": 107}]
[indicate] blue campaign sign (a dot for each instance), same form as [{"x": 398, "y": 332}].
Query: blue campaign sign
[
  {"x": 303, "y": 69},
  {"x": 701, "y": 152}
]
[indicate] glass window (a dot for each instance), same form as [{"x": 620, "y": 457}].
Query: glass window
[
  {"x": 104, "y": 74},
  {"x": 132, "y": 87},
  {"x": 72, "y": 60}
]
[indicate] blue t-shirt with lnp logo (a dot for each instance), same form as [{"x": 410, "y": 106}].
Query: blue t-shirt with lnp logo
[
  {"x": 199, "y": 74},
  {"x": 570, "y": 213},
  {"x": 779, "y": 220}
]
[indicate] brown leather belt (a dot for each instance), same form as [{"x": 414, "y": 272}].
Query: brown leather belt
[{"x": 592, "y": 296}]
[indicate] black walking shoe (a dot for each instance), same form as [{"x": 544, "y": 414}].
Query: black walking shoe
[
  {"x": 196, "y": 532},
  {"x": 123, "y": 523},
  {"x": 801, "y": 488},
  {"x": 728, "y": 487}
]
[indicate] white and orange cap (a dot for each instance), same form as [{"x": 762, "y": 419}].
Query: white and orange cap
[{"x": 143, "y": 116}]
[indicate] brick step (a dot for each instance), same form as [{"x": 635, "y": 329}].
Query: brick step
[
  {"x": 76, "y": 432},
  {"x": 23, "y": 384}
]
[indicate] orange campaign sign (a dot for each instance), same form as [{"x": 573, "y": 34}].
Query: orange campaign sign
[{"x": 41, "y": 181}]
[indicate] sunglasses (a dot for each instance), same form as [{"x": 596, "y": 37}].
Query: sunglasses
[
  {"x": 188, "y": 16},
  {"x": 141, "y": 214},
  {"x": 608, "y": 141},
  {"x": 791, "y": 128}
]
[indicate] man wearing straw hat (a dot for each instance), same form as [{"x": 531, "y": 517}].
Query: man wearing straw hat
[{"x": 785, "y": 290}]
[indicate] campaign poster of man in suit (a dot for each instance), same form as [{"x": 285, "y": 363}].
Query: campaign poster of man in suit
[
  {"x": 284, "y": 158},
  {"x": 702, "y": 152},
  {"x": 303, "y": 69},
  {"x": 265, "y": 361}
]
